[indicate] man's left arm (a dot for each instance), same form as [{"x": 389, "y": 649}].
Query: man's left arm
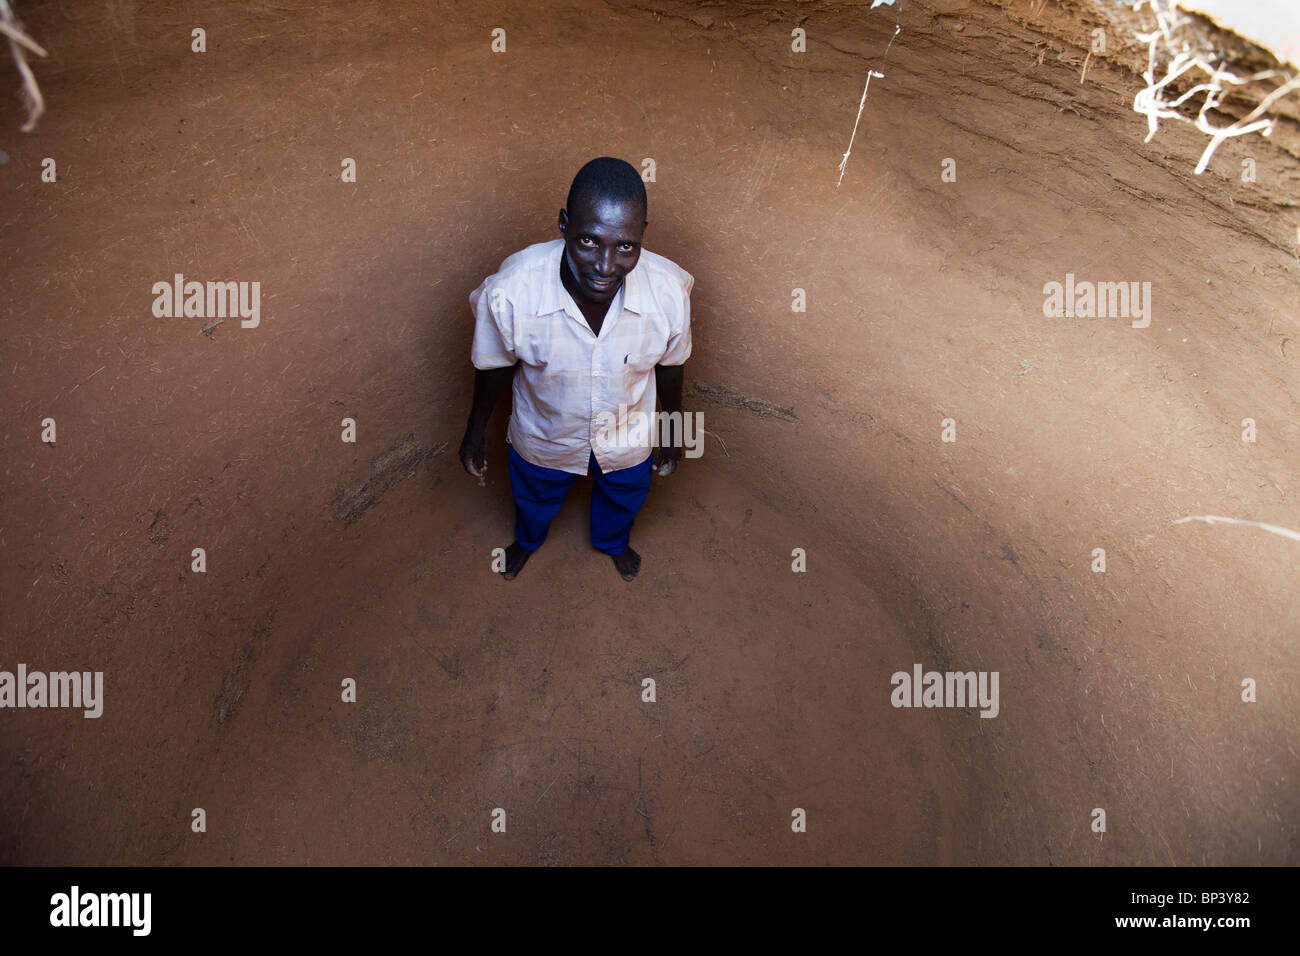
[{"x": 668, "y": 382}]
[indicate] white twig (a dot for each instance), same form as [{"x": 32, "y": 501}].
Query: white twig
[
  {"x": 12, "y": 31},
  {"x": 1216, "y": 519}
]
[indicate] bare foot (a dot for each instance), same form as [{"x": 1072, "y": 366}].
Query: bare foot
[
  {"x": 628, "y": 563},
  {"x": 516, "y": 557}
]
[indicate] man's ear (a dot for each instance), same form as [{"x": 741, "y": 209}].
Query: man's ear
[{"x": 564, "y": 220}]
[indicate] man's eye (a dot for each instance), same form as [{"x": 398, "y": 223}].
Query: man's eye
[{"x": 587, "y": 239}]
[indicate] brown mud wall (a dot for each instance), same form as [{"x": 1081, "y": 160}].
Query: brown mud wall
[{"x": 1119, "y": 690}]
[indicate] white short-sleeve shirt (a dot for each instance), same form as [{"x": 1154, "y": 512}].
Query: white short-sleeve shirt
[{"x": 577, "y": 393}]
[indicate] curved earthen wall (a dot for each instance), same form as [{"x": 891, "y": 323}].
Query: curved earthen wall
[{"x": 1119, "y": 689}]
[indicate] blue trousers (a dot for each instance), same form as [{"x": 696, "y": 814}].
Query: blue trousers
[{"x": 615, "y": 501}]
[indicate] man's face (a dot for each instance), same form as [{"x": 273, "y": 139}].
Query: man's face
[{"x": 602, "y": 243}]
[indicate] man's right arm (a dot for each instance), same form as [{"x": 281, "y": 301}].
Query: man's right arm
[{"x": 489, "y": 385}]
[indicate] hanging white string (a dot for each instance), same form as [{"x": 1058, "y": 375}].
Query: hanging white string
[{"x": 870, "y": 73}]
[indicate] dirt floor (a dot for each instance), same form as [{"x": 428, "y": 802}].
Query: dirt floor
[{"x": 1118, "y": 690}]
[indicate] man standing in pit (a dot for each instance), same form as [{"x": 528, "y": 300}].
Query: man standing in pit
[{"x": 589, "y": 327}]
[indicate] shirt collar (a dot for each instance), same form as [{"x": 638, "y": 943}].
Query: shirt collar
[{"x": 552, "y": 300}]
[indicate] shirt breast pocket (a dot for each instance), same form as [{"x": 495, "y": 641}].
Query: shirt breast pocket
[
  {"x": 535, "y": 346},
  {"x": 639, "y": 361},
  {"x": 643, "y": 351}
]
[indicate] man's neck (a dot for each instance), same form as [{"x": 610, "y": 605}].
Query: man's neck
[{"x": 593, "y": 312}]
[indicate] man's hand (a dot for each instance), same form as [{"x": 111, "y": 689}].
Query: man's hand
[
  {"x": 471, "y": 454},
  {"x": 668, "y": 383},
  {"x": 666, "y": 459},
  {"x": 489, "y": 385}
]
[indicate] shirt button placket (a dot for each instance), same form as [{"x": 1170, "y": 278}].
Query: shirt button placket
[{"x": 597, "y": 396}]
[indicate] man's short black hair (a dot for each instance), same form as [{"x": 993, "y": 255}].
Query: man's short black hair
[{"x": 607, "y": 178}]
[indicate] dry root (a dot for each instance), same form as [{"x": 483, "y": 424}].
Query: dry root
[
  {"x": 1170, "y": 40},
  {"x": 18, "y": 41}
]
